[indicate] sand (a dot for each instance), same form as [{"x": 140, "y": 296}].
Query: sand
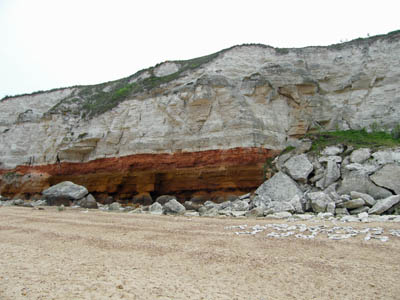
[{"x": 47, "y": 254}]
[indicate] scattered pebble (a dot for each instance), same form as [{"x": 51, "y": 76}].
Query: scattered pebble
[
  {"x": 302, "y": 231},
  {"x": 395, "y": 232}
]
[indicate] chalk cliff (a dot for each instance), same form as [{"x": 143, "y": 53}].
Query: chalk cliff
[{"x": 206, "y": 125}]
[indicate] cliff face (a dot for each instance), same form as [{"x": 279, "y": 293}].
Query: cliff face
[{"x": 205, "y": 125}]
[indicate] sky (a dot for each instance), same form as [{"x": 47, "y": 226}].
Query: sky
[{"x": 46, "y": 44}]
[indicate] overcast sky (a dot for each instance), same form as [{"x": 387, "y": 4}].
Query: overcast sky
[{"x": 56, "y": 43}]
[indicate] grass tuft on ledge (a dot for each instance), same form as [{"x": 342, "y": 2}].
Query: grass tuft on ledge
[{"x": 355, "y": 138}]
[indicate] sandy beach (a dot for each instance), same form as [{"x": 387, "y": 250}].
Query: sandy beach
[{"x": 47, "y": 254}]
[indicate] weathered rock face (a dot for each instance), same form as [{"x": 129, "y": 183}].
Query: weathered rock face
[
  {"x": 223, "y": 118},
  {"x": 181, "y": 174}
]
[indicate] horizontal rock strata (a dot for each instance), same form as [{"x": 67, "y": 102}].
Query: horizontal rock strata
[
  {"x": 233, "y": 171},
  {"x": 178, "y": 127}
]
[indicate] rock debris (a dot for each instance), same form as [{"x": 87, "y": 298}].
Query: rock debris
[{"x": 303, "y": 231}]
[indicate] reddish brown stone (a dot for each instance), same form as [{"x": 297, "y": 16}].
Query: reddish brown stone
[
  {"x": 231, "y": 172},
  {"x": 143, "y": 198}
]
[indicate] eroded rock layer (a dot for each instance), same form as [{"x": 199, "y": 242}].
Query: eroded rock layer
[{"x": 213, "y": 173}]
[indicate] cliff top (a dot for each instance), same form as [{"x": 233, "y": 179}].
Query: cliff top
[{"x": 96, "y": 99}]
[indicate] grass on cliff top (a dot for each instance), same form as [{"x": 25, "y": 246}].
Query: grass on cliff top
[
  {"x": 356, "y": 138},
  {"x": 97, "y": 99},
  {"x": 196, "y": 62}
]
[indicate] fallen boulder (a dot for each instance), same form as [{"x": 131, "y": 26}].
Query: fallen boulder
[
  {"x": 360, "y": 155},
  {"x": 388, "y": 177},
  {"x": 64, "y": 192},
  {"x": 156, "y": 209},
  {"x": 279, "y": 187},
  {"x": 360, "y": 182},
  {"x": 19, "y": 202},
  {"x": 384, "y": 204},
  {"x": 332, "y": 150},
  {"x": 367, "y": 198},
  {"x": 384, "y": 157},
  {"x": 354, "y": 203},
  {"x": 164, "y": 199},
  {"x": 359, "y": 210},
  {"x": 114, "y": 206},
  {"x": 208, "y": 212},
  {"x": 143, "y": 198},
  {"x": 190, "y": 205},
  {"x": 319, "y": 201},
  {"x": 298, "y": 167},
  {"x": 239, "y": 205},
  {"x": 88, "y": 202},
  {"x": 331, "y": 174},
  {"x": 173, "y": 207}
]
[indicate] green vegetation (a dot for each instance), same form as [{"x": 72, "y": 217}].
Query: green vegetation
[
  {"x": 376, "y": 138},
  {"x": 194, "y": 63},
  {"x": 396, "y": 132},
  {"x": 355, "y": 138},
  {"x": 287, "y": 149},
  {"x": 90, "y": 101},
  {"x": 282, "y": 51},
  {"x": 268, "y": 168},
  {"x": 82, "y": 135},
  {"x": 97, "y": 99},
  {"x": 153, "y": 82},
  {"x": 31, "y": 94},
  {"x": 368, "y": 41}
]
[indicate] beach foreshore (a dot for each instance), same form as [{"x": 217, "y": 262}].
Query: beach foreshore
[{"x": 91, "y": 254}]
